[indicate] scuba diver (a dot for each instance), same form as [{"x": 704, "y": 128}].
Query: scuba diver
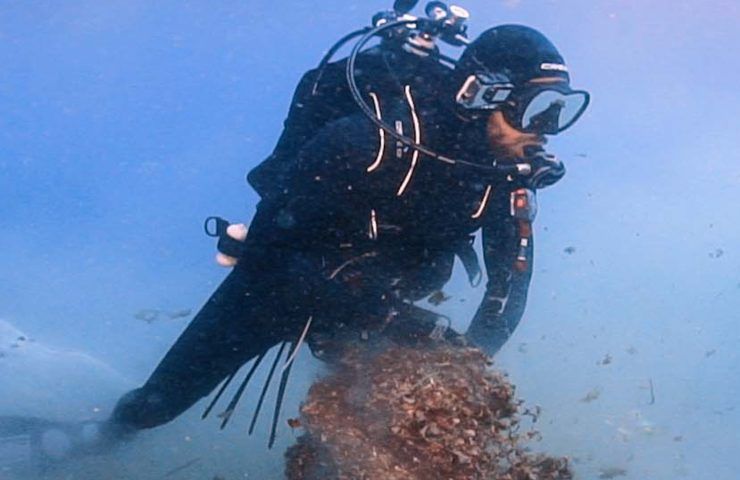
[{"x": 390, "y": 161}]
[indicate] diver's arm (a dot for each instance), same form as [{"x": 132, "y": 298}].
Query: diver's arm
[{"x": 505, "y": 298}]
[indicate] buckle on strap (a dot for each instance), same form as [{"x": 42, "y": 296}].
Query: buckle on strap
[{"x": 215, "y": 226}]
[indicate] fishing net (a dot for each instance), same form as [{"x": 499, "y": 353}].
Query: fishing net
[{"x": 432, "y": 412}]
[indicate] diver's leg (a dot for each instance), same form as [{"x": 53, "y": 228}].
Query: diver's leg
[{"x": 235, "y": 325}]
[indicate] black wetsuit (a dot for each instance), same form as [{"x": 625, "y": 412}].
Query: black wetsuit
[{"x": 352, "y": 225}]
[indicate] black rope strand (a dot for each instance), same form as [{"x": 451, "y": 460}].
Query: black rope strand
[
  {"x": 232, "y": 405},
  {"x": 264, "y": 388},
  {"x": 218, "y": 395},
  {"x": 280, "y": 396}
]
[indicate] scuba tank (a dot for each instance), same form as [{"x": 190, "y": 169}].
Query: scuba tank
[{"x": 407, "y": 54}]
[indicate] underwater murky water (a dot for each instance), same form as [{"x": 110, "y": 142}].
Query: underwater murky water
[{"x": 123, "y": 124}]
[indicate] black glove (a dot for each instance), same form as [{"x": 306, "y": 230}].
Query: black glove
[{"x": 489, "y": 329}]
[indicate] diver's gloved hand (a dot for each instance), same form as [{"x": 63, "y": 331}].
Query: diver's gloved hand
[
  {"x": 236, "y": 232},
  {"x": 489, "y": 330},
  {"x": 546, "y": 168}
]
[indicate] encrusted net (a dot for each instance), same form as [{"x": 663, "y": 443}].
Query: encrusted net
[{"x": 431, "y": 412}]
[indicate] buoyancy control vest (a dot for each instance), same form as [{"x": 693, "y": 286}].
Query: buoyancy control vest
[{"x": 319, "y": 101}]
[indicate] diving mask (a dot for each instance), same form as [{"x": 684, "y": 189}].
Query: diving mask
[{"x": 534, "y": 108}]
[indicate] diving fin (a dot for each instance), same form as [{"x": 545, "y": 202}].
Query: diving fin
[
  {"x": 43, "y": 442},
  {"x": 12, "y": 425}
]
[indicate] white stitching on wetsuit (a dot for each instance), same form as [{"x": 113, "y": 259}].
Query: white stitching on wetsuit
[
  {"x": 417, "y": 140},
  {"x": 381, "y": 133},
  {"x": 373, "y": 230},
  {"x": 483, "y": 203}
]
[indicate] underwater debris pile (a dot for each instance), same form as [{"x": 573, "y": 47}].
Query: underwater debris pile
[{"x": 410, "y": 413}]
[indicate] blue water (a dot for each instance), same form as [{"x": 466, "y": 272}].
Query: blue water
[{"x": 123, "y": 124}]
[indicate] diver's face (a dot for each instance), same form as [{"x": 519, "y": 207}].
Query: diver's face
[{"x": 508, "y": 142}]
